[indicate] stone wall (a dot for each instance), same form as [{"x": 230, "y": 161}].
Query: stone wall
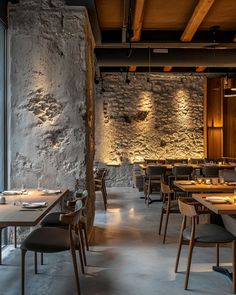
[
  {"x": 159, "y": 119},
  {"x": 51, "y": 110}
]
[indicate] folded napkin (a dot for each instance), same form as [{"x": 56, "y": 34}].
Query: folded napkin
[
  {"x": 34, "y": 204},
  {"x": 12, "y": 192},
  {"x": 231, "y": 183},
  {"x": 51, "y": 191}
]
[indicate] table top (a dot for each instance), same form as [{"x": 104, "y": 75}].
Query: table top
[
  {"x": 215, "y": 207},
  {"x": 196, "y": 187},
  {"x": 13, "y": 215},
  {"x": 171, "y": 166},
  {"x": 194, "y": 166}
]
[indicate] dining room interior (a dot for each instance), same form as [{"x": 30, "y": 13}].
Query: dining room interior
[{"x": 95, "y": 95}]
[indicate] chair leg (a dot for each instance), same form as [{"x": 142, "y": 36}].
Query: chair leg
[
  {"x": 15, "y": 236},
  {"x": 86, "y": 237},
  {"x": 178, "y": 255},
  {"x": 104, "y": 195},
  {"x": 0, "y": 246},
  {"x": 165, "y": 229},
  {"x": 41, "y": 258},
  {"x": 83, "y": 256},
  {"x": 217, "y": 255},
  {"x": 234, "y": 265},
  {"x": 73, "y": 255},
  {"x": 104, "y": 199},
  {"x": 35, "y": 262},
  {"x": 189, "y": 264},
  {"x": 23, "y": 252},
  {"x": 160, "y": 225},
  {"x": 148, "y": 199}
]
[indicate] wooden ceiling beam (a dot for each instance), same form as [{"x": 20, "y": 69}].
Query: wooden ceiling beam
[
  {"x": 138, "y": 20},
  {"x": 196, "y": 19},
  {"x": 167, "y": 69},
  {"x": 200, "y": 69},
  {"x": 137, "y": 25}
]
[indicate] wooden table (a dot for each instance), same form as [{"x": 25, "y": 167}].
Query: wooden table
[
  {"x": 215, "y": 207},
  {"x": 219, "y": 209},
  {"x": 195, "y": 187},
  {"x": 171, "y": 166},
  {"x": 12, "y": 215}
]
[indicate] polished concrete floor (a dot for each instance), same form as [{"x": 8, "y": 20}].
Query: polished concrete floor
[{"x": 126, "y": 257}]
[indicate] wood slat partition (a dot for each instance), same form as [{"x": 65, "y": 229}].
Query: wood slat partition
[
  {"x": 214, "y": 118},
  {"x": 230, "y": 127}
]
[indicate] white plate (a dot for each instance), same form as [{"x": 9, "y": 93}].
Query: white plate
[
  {"x": 231, "y": 183},
  {"x": 184, "y": 182},
  {"x": 219, "y": 200},
  {"x": 51, "y": 191}
]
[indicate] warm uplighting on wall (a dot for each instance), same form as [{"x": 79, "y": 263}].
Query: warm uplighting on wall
[{"x": 182, "y": 99}]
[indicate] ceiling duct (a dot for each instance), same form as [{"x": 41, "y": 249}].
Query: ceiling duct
[{"x": 175, "y": 58}]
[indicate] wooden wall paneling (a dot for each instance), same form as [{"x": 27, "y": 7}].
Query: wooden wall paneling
[
  {"x": 214, "y": 117},
  {"x": 230, "y": 127},
  {"x": 205, "y": 117}
]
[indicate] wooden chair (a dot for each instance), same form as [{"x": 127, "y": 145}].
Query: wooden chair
[
  {"x": 229, "y": 175},
  {"x": 53, "y": 220},
  {"x": 169, "y": 206},
  {"x": 210, "y": 171},
  {"x": 200, "y": 235},
  {"x": 179, "y": 173},
  {"x": 154, "y": 176},
  {"x": 52, "y": 240},
  {"x": 83, "y": 219},
  {"x": 100, "y": 185}
]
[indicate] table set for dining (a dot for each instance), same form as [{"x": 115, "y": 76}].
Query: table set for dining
[
  {"x": 220, "y": 198},
  {"x": 29, "y": 207}
]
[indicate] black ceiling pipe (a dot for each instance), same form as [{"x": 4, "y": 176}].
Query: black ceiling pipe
[{"x": 174, "y": 57}]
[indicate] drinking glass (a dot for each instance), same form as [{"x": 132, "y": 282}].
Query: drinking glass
[{"x": 221, "y": 180}]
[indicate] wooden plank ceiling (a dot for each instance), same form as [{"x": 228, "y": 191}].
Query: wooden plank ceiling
[{"x": 189, "y": 22}]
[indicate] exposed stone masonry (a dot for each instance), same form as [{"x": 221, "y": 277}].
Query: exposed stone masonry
[
  {"x": 159, "y": 119},
  {"x": 51, "y": 48},
  {"x": 44, "y": 106}
]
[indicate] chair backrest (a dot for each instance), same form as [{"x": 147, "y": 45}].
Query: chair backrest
[
  {"x": 73, "y": 218},
  {"x": 83, "y": 197},
  {"x": 210, "y": 171},
  {"x": 155, "y": 170},
  {"x": 182, "y": 171},
  {"x": 156, "y": 161},
  {"x": 100, "y": 173},
  {"x": 165, "y": 188},
  {"x": 197, "y": 161},
  {"x": 228, "y": 174},
  {"x": 173, "y": 161},
  {"x": 186, "y": 208}
]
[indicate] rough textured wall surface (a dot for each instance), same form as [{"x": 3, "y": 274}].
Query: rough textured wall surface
[
  {"x": 159, "y": 119},
  {"x": 50, "y": 49}
]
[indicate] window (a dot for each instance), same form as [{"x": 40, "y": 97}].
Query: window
[
  {"x": 2, "y": 104},
  {"x": 3, "y": 115}
]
